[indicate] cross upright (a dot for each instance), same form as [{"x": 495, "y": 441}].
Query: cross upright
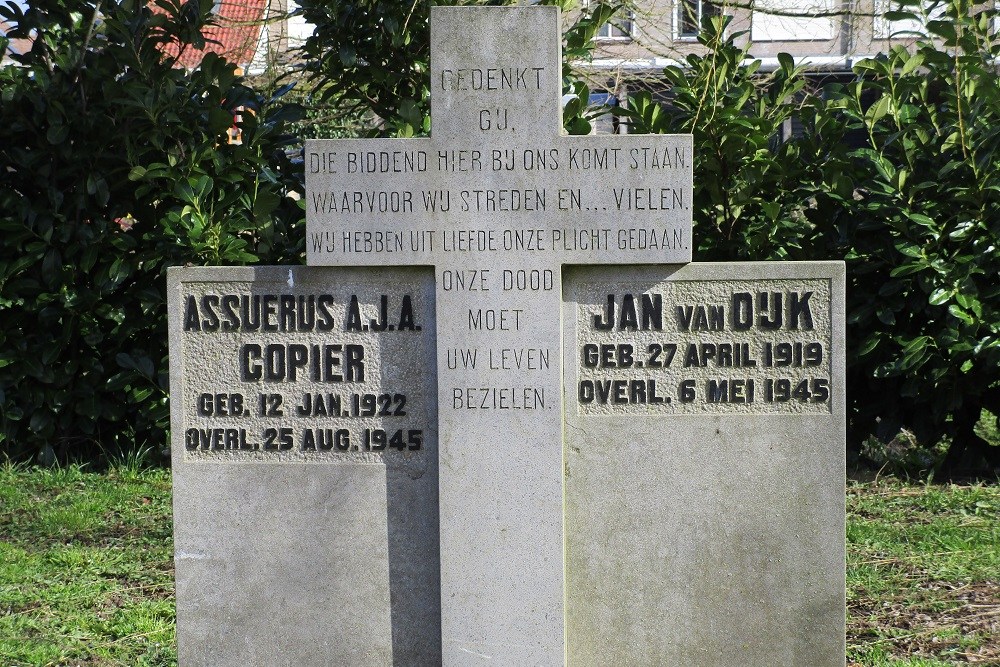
[{"x": 497, "y": 201}]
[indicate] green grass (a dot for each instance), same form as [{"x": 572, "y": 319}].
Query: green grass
[
  {"x": 86, "y": 571},
  {"x": 923, "y": 574},
  {"x": 86, "y": 567}
]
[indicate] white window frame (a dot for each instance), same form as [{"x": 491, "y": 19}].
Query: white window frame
[
  {"x": 627, "y": 25},
  {"x": 883, "y": 29},
  {"x": 766, "y": 27},
  {"x": 680, "y": 7}
]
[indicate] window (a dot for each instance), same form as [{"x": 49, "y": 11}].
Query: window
[
  {"x": 794, "y": 20},
  {"x": 916, "y": 27},
  {"x": 618, "y": 28},
  {"x": 609, "y": 122},
  {"x": 689, "y": 16}
]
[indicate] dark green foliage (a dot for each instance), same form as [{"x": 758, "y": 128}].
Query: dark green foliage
[
  {"x": 921, "y": 234},
  {"x": 748, "y": 188},
  {"x": 915, "y": 212},
  {"x": 114, "y": 166},
  {"x": 578, "y": 46},
  {"x": 370, "y": 59}
]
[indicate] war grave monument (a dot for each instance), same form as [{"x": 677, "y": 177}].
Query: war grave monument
[{"x": 501, "y": 418}]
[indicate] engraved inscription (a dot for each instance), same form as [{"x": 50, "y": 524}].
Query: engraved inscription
[
  {"x": 692, "y": 347},
  {"x": 306, "y": 375}
]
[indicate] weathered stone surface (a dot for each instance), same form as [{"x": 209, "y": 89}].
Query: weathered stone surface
[
  {"x": 620, "y": 482},
  {"x": 285, "y": 554},
  {"x": 497, "y": 200},
  {"x": 487, "y": 189},
  {"x": 705, "y": 528}
]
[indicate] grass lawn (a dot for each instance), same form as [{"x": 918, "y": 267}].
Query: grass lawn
[
  {"x": 86, "y": 571},
  {"x": 923, "y": 575},
  {"x": 86, "y": 568}
]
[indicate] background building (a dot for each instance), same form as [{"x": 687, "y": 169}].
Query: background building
[
  {"x": 823, "y": 34},
  {"x": 828, "y": 37}
]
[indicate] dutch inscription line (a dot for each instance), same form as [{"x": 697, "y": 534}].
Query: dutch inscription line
[{"x": 345, "y": 208}]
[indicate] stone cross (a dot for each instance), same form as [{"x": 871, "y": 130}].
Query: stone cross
[{"x": 497, "y": 201}]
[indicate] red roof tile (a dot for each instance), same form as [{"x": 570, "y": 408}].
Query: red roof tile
[{"x": 234, "y": 35}]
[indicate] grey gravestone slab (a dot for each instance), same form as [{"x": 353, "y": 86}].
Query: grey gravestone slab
[
  {"x": 497, "y": 201},
  {"x": 705, "y": 465},
  {"x": 285, "y": 554}
]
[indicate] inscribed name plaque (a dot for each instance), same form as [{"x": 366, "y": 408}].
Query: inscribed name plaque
[
  {"x": 304, "y": 451},
  {"x": 705, "y": 465}
]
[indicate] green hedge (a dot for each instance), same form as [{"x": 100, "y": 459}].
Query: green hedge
[
  {"x": 898, "y": 173},
  {"x": 113, "y": 166}
]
